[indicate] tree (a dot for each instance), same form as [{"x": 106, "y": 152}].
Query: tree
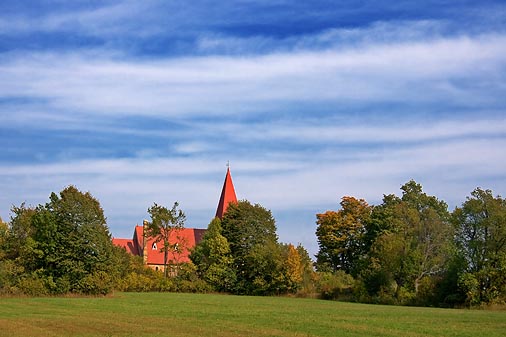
[
  {"x": 293, "y": 268},
  {"x": 213, "y": 258},
  {"x": 64, "y": 245},
  {"x": 481, "y": 239},
  {"x": 341, "y": 236},
  {"x": 164, "y": 224},
  {"x": 20, "y": 232},
  {"x": 3, "y": 237},
  {"x": 251, "y": 231},
  {"x": 309, "y": 276},
  {"x": 82, "y": 246},
  {"x": 413, "y": 239}
]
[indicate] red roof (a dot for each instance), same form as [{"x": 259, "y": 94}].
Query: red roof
[
  {"x": 187, "y": 238},
  {"x": 227, "y": 195},
  {"x": 128, "y": 244}
]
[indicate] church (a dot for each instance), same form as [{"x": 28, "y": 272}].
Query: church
[{"x": 186, "y": 238}]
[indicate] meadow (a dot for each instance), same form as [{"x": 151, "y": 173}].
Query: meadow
[{"x": 172, "y": 314}]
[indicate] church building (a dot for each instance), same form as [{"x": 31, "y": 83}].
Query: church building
[{"x": 185, "y": 238}]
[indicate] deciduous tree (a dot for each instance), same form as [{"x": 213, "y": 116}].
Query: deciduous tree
[
  {"x": 415, "y": 239},
  {"x": 251, "y": 231},
  {"x": 164, "y": 224},
  {"x": 64, "y": 244},
  {"x": 341, "y": 236},
  {"x": 481, "y": 238},
  {"x": 213, "y": 258},
  {"x": 293, "y": 268}
]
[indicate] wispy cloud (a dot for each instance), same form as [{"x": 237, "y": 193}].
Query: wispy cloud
[{"x": 447, "y": 71}]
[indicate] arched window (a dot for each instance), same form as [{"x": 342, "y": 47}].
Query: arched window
[{"x": 154, "y": 246}]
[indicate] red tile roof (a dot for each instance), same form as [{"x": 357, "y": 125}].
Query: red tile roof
[
  {"x": 128, "y": 244},
  {"x": 187, "y": 238}
]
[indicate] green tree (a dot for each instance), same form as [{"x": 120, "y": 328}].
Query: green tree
[
  {"x": 64, "y": 245},
  {"x": 166, "y": 224},
  {"x": 19, "y": 243},
  {"x": 72, "y": 231},
  {"x": 3, "y": 238},
  {"x": 341, "y": 236},
  {"x": 414, "y": 240},
  {"x": 251, "y": 231},
  {"x": 481, "y": 239},
  {"x": 213, "y": 258}
]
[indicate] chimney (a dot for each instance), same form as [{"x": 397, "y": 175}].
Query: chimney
[{"x": 144, "y": 242}]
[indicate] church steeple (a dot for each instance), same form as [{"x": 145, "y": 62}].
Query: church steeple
[{"x": 227, "y": 195}]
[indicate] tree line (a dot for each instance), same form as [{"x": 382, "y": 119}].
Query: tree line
[
  {"x": 64, "y": 246},
  {"x": 412, "y": 250}
]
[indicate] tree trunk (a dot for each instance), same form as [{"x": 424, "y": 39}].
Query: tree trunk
[{"x": 165, "y": 258}]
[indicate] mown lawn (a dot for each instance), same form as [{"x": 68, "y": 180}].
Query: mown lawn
[{"x": 166, "y": 314}]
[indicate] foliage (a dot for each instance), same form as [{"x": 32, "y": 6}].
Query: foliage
[
  {"x": 481, "y": 238},
  {"x": 308, "y": 284},
  {"x": 164, "y": 223},
  {"x": 214, "y": 260},
  {"x": 341, "y": 236},
  {"x": 241, "y": 254},
  {"x": 62, "y": 246},
  {"x": 293, "y": 268},
  {"x": 338, "y": 285},
  {"x": 413, "y": 242},
  {"x": 400, "y": 251},
  {"x": 257, "y": 256},
  {"x": 4, "y": 231},
  {"x": 416, "y": 252}
]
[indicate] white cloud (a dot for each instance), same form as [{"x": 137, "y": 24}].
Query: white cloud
[
  {"x": 103, "y": 20},
  {"x": 335, "y": 132},
  {"x": 447, "y": 70}
]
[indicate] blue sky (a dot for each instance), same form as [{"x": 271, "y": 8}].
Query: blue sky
[{"x": 146, "y": 101}]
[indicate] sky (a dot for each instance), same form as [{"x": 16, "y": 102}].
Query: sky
[{"x": 140, "y": 102}]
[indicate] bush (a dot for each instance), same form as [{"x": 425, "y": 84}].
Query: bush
[
  {"x": 97, "y": 283},
  {"x": 336, "y": 286},
  {"x": 136, "y": 282},
  {"x": 471, "y": 287},
  {"x": 33, "y": 285},
  {"x": 9, "y": 275}
]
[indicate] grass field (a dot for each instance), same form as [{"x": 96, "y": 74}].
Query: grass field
[{"x": 167, "y": 314}]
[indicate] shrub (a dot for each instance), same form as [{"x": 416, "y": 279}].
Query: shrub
[
  {"x": 97, "y": 283},
  {"x": 335, "y": 286},
  {"x": 33, "y": 285}
]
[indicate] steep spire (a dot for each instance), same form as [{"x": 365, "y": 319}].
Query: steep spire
[{"x": 227, "y": 195}]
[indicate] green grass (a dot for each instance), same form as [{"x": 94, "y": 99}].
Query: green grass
[{"x": 166, "y": 314}]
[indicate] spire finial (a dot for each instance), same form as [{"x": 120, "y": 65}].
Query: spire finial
[{"x": 228, "y": 164}]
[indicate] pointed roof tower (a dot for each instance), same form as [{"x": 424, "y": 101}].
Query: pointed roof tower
[{"x": 227, "y": 195}]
